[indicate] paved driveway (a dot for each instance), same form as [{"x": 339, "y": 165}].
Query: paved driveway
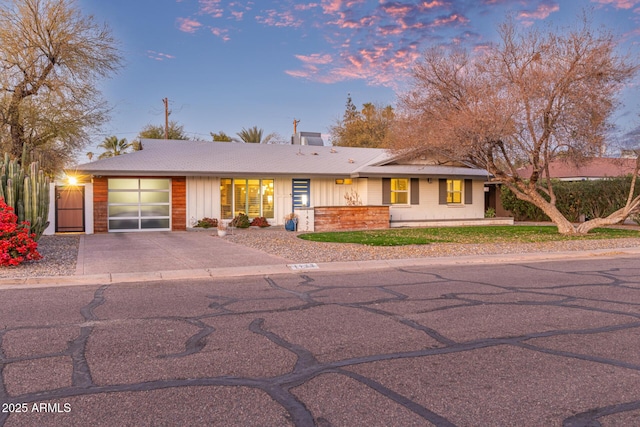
[
  {"x": 545, "y": 344},
  {"x": 161, "y": 251}
]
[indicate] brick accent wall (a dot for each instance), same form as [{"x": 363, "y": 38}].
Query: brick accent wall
[
  {"x": 179, "y": 203},
  {"x": 332, "y": 218},
  {"x": 100, "y": 205}
]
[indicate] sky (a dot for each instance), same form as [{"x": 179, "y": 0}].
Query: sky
[{"x": 228, "y": 65}]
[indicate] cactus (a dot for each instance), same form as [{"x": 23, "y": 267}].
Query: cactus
[{"x": 27, "y": 194}]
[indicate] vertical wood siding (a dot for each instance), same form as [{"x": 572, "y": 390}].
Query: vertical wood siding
[
  {"x": 178, "y": 203},
  {"x": 100, "y": 205},
  {"x": 203, "y": 198}
]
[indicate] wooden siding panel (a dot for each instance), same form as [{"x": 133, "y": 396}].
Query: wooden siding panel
[
  {"x": 178, "y": 203},
  {"x": 100, "y": 205},
  {"x": 351, "y": 218}
]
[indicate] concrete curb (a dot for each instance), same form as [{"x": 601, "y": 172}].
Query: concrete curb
[{"x": 275, "y": 269}]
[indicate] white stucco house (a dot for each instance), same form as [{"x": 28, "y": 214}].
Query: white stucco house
[{"x": 170, "y": 184}]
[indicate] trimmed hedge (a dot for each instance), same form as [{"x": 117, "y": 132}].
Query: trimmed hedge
[{"x": 593, "y": 199}]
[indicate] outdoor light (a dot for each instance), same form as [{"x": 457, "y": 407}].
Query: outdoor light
[{"x": 72, "y": 180}]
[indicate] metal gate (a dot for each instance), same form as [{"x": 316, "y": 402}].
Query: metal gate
[{"x": 69, "y": 209}]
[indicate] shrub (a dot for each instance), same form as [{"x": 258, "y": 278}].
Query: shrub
[
  {"x": 260, "y": 222},
  {"x": 240, "y": 221},
  {"x": 16, "y": 244},
  {"x": 593, "y": 199},
  {"x": 490, "y": 213},
  {"x": 207, "y": 223}
]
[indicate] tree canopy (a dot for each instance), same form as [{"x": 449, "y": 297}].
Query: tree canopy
[
  {"x": 254, "y": 135},
  {"x": 220, "y": 137},
  {"x": 51, "y": 58},
  {"x": 526, "y": 101},
  {"x": 113, "y": 146},
  {"x": 369, "y": 127},
  {"x": 174, "y": 131}
]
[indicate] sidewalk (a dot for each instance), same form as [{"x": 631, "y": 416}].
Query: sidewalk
[{"x": 144, "y": 257}]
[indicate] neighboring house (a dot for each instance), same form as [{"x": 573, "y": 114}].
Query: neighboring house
[
  {"x": 169, "y": 185},
  {"x": 567, "y": 170},
  {"x": 591, "y": 168}
]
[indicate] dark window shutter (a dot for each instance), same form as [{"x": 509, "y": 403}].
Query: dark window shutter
[
  {"x": 442, "y": 185},
  {"x": 468, "y": 191},
  {"x": 386, "y": 191},
  {"x": 415, "y": 191}
]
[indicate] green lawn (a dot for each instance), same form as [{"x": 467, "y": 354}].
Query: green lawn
[{"x": 474, "y": 234}]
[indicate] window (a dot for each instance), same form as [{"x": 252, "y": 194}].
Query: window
[
  {"x": 344, "y": 181},
  {"x": 253, "y": 197},
  {"x": 139, "y": 204},
  {"x": 454, "y": 191},
  {"x": 399, "y": 191}
]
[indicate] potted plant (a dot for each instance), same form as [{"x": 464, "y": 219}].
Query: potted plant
[
  {"x": 291, "y": 222},
  {"x": 222, "y": 229}
]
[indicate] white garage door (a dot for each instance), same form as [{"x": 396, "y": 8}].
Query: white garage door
[{"x": 139, "y": 204}]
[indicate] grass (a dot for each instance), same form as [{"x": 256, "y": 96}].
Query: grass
[{"x": 474, "y": 234}]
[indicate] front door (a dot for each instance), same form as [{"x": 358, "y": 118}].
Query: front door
[
  {"x": 69, "y": 209},
  {"x": 301, "y": 193}
]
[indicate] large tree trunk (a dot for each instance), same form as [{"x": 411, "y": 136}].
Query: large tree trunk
[{"x": 531, "y": 195}]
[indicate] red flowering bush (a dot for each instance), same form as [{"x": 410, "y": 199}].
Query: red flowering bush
[
  {"x": 16, "y": 244},
  {"x": 260, "y": 222}
]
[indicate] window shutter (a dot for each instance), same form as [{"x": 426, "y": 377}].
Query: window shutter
[
  {"x": 442, "y": 185},
  {"x": 386, "y": 191},
  {"x": 468, "y": 191},
  {"x": 415, "y": 191}
]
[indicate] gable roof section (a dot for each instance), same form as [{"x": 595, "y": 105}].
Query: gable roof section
[
  {"x": 164, "y": 157},
  {"x": 191, "y": 158}
]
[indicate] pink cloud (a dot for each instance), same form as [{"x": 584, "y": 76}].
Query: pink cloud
[
  {"x": 222, "y": 33},
  {"x": 432, "y": 4},
  {"x": 315, "y": 58},
  {"x": 307, "y": 6},
  {"x": 211, "y": 8},
  {"x": 188, "y": 25},
  {"x": 542, "y": 12},
  {"x": 451, "y": 19},
  {"x": 237, "y": 14},
  {"x": 274, "y": 18},
  {"x": 159, "y": 56},
  {"x": 618, "y": 4}
]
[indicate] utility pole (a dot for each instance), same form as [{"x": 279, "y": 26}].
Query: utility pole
[
  {"x": 295, "y": 125},
  {"x": 165, "y": 101}
]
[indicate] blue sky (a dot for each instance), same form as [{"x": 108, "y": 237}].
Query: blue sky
[{"x": 225, "y": 65}]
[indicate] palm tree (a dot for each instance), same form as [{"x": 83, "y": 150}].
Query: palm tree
[
  {"x": 253, "y": 135},
  {"x": 113, "y": 147}
]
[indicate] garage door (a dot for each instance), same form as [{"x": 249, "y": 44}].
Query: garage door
[{"x": 139, "y": 204}]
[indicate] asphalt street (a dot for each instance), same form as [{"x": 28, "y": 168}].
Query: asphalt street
[{"x": 538, "y": 344}]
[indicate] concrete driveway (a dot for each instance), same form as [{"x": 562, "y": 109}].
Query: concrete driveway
[{"x": 162, "y": 251}]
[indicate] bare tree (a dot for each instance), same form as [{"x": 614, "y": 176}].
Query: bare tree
[
  {"x": 530, "y": 99},
  {"x": 51, "y": 57}
]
